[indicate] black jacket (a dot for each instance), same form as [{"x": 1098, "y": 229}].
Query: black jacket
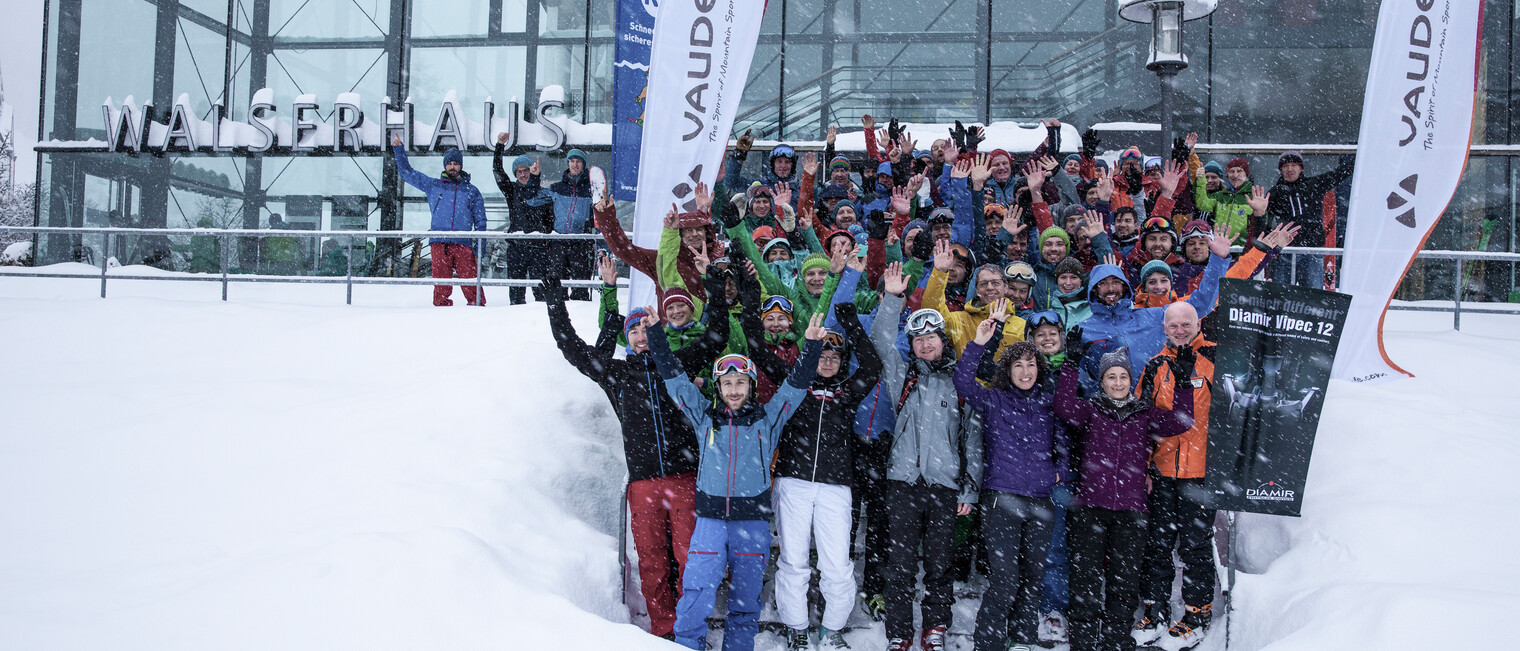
[
  {"x": 524, "y": 218},
  {"x": 657, "y": 439},
  {"x": 818, "y": 444},
  {"x": 1302, "y": 202}
]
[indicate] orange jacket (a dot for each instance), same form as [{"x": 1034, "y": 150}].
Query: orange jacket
[
  {"x": 1182, "y": 456},
  {"x": 1243, "y": 268}
]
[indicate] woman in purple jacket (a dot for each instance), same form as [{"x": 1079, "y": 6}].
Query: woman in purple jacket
[
  {"x": 1105, "y": 527},
  {"x": 1026, "y": 454}
]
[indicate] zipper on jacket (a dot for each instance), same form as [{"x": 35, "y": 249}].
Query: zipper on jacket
[
  {"x": 818, "y": 439},
  {"x": 733, "y": 439},
  {"x": 659, "y": 430}
]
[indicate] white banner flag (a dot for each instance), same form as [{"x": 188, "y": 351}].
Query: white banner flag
[
  {"x": 1416, "y": 128},
  {"x": 698, "y": 66}
]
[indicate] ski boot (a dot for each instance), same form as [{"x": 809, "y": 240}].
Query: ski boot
[
  {"x": 934, "y": 638},
  {"x": 1189, "y": 631},
  {"x": 1151, "y": 625}
]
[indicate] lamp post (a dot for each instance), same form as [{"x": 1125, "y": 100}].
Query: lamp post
[{"x": 1166, "y": 59}]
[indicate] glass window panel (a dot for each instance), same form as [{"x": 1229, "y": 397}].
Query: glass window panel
[
  {"x": 473, "y": 74},
  {"x": 599, "y": 102},
  {"x": 563, "y": 65},
  {"x": 805, "y": 17},
  {"x": 326, "y": 73},
  {"x": 603, "y": 16},
  {"x": 562, "y": 18},
  {"x": 296, "y": 19},
  {"x": 878, "y": 16},
  {"x": 112, "y": 66},
  {"x": 450, "y": 18},
  {"x": 199, "y": 60},
  {"x": 514, "y": 16},
  {"x": 214, "y": 8},
  {"x": 758, "y": 108},
  {"x": 1051, "y": 16}
]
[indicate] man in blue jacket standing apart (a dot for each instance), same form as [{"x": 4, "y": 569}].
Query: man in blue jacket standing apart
[{"x": 456, "y": 205}]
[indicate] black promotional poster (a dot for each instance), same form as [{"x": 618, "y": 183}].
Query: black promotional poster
[{"x": 1276, "y": 346}]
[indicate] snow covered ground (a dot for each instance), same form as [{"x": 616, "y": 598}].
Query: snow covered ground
[{"x": 285, "y": 471}]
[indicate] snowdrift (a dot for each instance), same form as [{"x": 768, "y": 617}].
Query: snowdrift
[
  {"x": 285, "y": 471},
  {"x": 180, "y": 473}
]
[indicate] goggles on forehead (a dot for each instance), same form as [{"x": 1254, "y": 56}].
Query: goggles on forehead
[
  {"x": 925, "y": 321},
  {"x": 1197, "y": 229},
  {"x": 833, "y": 341},
  {"x": 1019, "y": 272},
  {"x": 1043, "y": 318},
  {"x": 1158, "y": 222},
  {"x": 734, "y": 363},
  {"x": 776, "y": 304}
]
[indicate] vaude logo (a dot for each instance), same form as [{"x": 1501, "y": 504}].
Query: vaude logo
[
  {"x": 1397, "y": 200},
  {"x": 1269, "y": 492}
]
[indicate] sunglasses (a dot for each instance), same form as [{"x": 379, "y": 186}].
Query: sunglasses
[
  {"x": 925, "y": 321},
  {"x": 733, "y": 363}
]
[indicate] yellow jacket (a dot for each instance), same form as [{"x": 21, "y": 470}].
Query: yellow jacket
[{"x": 961, "y": 325}]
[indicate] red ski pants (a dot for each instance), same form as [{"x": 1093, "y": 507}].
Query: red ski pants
[
  {"x": 664, "y": 513},
  {"x": 449, "y": 260}
]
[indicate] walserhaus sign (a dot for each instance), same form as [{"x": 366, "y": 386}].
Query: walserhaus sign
[{"x": 308, "y": 126}]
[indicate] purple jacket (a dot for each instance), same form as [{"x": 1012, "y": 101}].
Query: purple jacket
[
  {"x": 1023, "y": 444},
  {"x": 1116, "y": 443}
]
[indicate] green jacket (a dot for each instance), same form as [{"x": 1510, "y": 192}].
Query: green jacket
[{"x": 1228, "y": 206}]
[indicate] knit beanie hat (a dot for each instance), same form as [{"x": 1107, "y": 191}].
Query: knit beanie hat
[
  {"x": 576, "y": 153},
  {"x": 774, "y": 243},
  {"x": 833, "y": 191},
  {"x": 814, "y": 261},
  {"x": 1069, "y": 265},
  {"x": 828, "y": 239},
  {"x": 453, "y": 156},
  {"x": 1239, "y": 162},
  {"x": 1290, "y": 156},
  {"x": 674, "y": 294},
  {"x": 842, "y": 204},
  {"x": 1072, "y": 157},
  {"x": 521, "y": 162},
  {"x": 634, "y": 317},
  {"x": 1215, "y": 167},
  {"x": 1155, "y": 266},
  {"x": 1133, "y": 153},
  {"x": 1109, "y": 360},
  {"x": 1055, "y": 231},
  {"x": 756, "y": 189},
  {"x": 997, "y": 153},
  {"x": 839, "y": 161},
  {"x": 1100, "y": 164},
  {"x": 762, "y": 236}
]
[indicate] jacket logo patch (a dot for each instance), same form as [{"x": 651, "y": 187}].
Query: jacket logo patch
[
  {"x": 1197, "y": 383},
  {"x": 944, "y": 405}
]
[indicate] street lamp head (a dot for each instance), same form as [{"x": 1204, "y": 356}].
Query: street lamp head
[{"x": 1166, "y": 18}]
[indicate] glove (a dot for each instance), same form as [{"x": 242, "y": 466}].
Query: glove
[
  {"x": 1179, "y": 150},
  {"x": 894, "y": 131},
  {"x": 958, "y": 135},
  {"x": 715, "y": 282},
  {"x": 550, "y": 290},
  {"x": 1186, "y": 359},
  {"x": 876, "y": 225},
  {"x": 1132, "y": 177},
  {"x": 749, "y": 290},
  {"x": 974, "y": 137},
  {"x": 1075, "y": 349},
  {"x": 745, "y": 142},
  {"x": 1054, "y": 133},
  {"x": 732, "y": 215},
  {"x": 847, "y": 316},
  {"x": 1090, "y": 143},
  {"x": 788, "y": 218},
  {"x": 923, "y": 246}
]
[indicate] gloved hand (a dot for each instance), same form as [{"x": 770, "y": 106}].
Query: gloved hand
[
  {"x": 733, "y": 212},
  {"x": 1186, "y": 359},
  {"x": 788, "y": 218},
  {"x": 923, "y": 246},
  {"x": 847, "y": 316},
  {"x": 1090, "y": 142},
  {"x": 745, "y": 142},
  {"x": 877, "y": 225},
  {"x": 1075, "y": 349},
  {"x": 958, "y": 135},
  {"x": 1132, "y": 177},
  {"x": 715, "y": 281},
  {"x": 1180, "y": 150},
  {"x": 974, "y": 137}
]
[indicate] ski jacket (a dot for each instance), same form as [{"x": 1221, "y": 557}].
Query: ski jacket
[
  {"x": 1228, "y": 207},
  {"x": 657, "y": 440},
  {"x": 961, "y": 324},
  {"x": 934, "y": 439},
  {"x": 1301, "y": 202},
  {"x": 1122, "y": 325},
  {"x": 1113, "y": 443},
  {"x": 572, "y": 203},
  {"x": 1025, "y": 448},
  {"x": 531, "y": 208},
  {"x": 818, "y": 443},
  {"x": 456, "y": 204},
  {"x": 735, "y": 447},
  {"x": 1183, "y": 456}
]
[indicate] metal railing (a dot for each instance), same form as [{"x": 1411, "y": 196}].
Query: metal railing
[
  {"x": 223, "y": 236},
  {"x": 225, "y": 277}
]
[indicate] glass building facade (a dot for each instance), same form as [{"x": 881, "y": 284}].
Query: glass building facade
[{"x": 1262, "y": 71}]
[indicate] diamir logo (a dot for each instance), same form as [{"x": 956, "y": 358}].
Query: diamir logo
[
  {"x": 1270, "y": 492},
  {"x": 1397, "y": 200}
]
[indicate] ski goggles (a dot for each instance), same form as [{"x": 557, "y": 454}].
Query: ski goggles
[
  {"x": 1019, "y": 272},
  {"x": 784, "y": 150},
  {"x": 925, "y": 321},
  {"x": 734, "y": 363},
  {"x": 833, "y": 341},
  {"x": 776, "y": 304},
  {"x": 1042, "y": 318},
  {"x": 1197, "y": 229},
  {"x": 1158, "y": 222}
]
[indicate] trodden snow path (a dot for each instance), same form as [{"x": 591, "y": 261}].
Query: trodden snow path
[{"x": 285, "y": 471}]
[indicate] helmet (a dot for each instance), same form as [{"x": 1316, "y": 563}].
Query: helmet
[
  {"x": 1019, "y": 272},
  {"x": 925, "y": 321}
]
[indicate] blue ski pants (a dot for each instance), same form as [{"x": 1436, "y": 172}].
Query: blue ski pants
[{"x": 740, "y": 547}]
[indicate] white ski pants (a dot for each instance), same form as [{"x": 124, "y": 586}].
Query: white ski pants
[{"x": 810, "y": 511}]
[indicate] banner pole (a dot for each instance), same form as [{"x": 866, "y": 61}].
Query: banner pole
[{"x": 1229, "y": 590}]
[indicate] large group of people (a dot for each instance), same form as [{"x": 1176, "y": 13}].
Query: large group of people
[{"x": 929, "y": 362}]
